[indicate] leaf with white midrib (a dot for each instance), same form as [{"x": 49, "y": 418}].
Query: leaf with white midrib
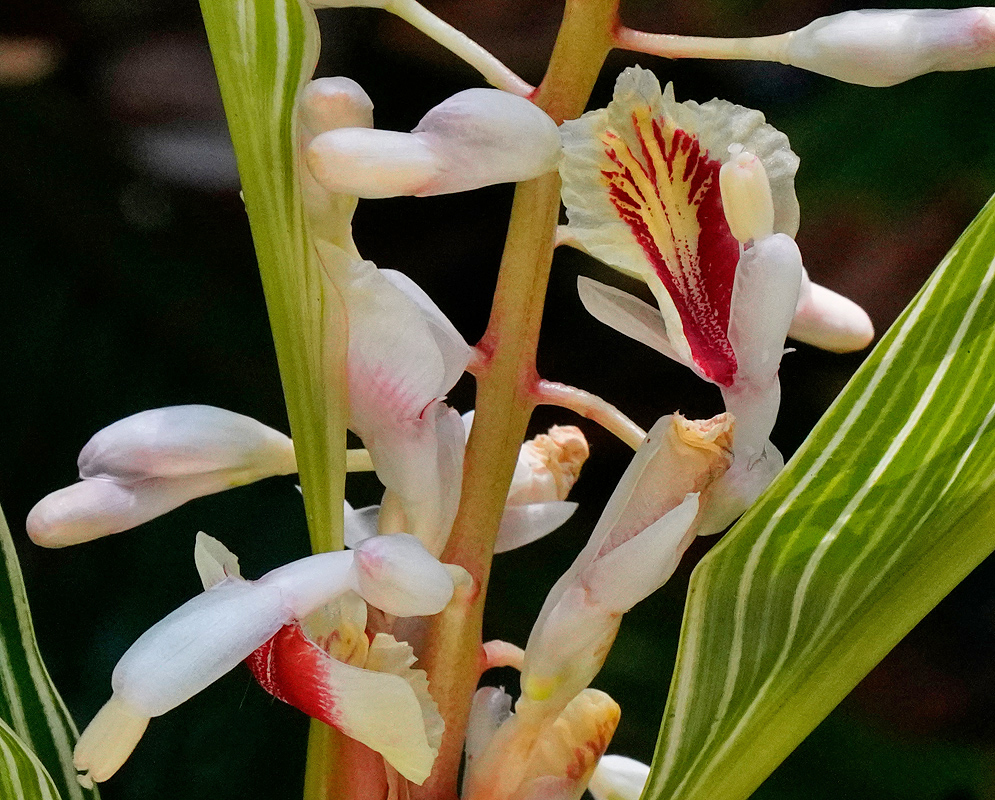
[
  {"x": 882, "y": 511},
  {"x": 29, "y": 702},
  {"x": 22, "y": 776}
]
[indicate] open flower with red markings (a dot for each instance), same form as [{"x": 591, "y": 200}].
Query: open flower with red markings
[
  {"x": 698, "y": 201},
  {"x": 385, "y": 706}
]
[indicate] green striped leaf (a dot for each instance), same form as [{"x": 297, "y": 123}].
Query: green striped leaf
[
  {"x": 264, "y": 51},
  {"x": 29, "y": 704},
  {"x": 886, "y": 507},
  {"x": 22, "y": 776}
]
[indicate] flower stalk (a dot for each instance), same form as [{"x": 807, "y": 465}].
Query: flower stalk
[{"x": 506, "y": 389}]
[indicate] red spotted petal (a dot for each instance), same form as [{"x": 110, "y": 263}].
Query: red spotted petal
[{"x": 668, "y": 196}]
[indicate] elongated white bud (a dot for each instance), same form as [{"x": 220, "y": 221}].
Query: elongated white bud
[
  {"x": 828, "y": 320},
  {"x": 746, "y": 197},
  {"x": 882, "y": 48},
  {"x": 178, "y": 441},
  {"x": 618, "y": 778},
  {"x": 476, "y": 138},
  {"x": 152, "y": 462}
]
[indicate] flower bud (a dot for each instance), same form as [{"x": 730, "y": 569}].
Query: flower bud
[
  {"x": 618, "y": 778},
  {"x": 548, "y": 466},
  {"x": 396, "y": 574},
  {"x": 475, "y": 138},
  {"x": 746, "y": 198},
  {"x": 828, "y": 320},
  {"x": 108, "y": 741},
  {"x": 882, "y": 48},
  {"x": 329, "y": 103}
]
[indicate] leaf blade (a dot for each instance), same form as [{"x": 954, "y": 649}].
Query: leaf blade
[
  {"x": 872, "y": 522},
  {"x": 29, "y": 701}
]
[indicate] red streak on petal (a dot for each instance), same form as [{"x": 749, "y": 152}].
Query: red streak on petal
[
  {"x": 696, "y": 261},
  {"x": 293, "y": 669}
]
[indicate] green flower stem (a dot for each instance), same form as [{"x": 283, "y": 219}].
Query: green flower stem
[{"x": 506, "y": 390}]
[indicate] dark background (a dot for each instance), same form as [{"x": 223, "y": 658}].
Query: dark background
[{"x": 128, "y": 282}]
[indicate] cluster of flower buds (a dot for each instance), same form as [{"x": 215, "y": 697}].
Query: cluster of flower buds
[{"x": 650, "y": 520}]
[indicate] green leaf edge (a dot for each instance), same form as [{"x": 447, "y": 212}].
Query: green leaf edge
[
  {"x": 29, "y": 701},
  {"x": 22, "y": 775},
  {"x": 702, "y": 751},
  {"x": 264, "y": 52}
]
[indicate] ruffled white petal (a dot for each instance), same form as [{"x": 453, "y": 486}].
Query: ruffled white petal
[
  {"x": 881, "y": 48},
  {"x": 524, "y": 524},
  {"x": 618, "y": 778},
  {"x": 628, "y": 315},
  {"x": 594, "y": 221},
  {"x": 830, "y": 321}
]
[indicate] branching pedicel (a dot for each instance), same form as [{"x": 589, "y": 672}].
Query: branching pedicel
[{"x": 696, "y": 200}]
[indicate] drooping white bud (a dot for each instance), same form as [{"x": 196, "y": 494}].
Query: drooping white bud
[
  {"x": 152, "y": 462},
  {"x": 486, "y": 136},
  {"x": 746, "y": 197},
  {"x": 618, "y": 778},
  {"x": 476, "y": 138},
  {"x": 882, "y": 48},
  {"x": 372, "y": 164}
]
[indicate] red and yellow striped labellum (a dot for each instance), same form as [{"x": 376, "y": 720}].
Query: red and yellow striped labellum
[{"x": 668, "y": 195}]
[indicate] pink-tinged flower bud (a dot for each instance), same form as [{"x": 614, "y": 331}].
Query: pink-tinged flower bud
[
  {"x": 828, "y": 320},
  {"x": 746, "y": 198},
  {"x": 882, "y": 48},
  {"x": 618, "y": 778},
  {"x": 152, "y": 462},
  {"x": 396, "y": 574},
  {"x": 329, "y": 103},
  {"x": 476, "y": 138},
  {"x": 647, "y": 525}
]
